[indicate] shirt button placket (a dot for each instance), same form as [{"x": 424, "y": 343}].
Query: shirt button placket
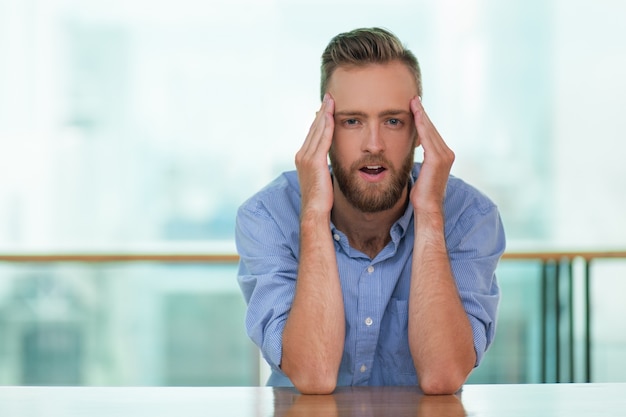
[{"x": 368, "y": 321}]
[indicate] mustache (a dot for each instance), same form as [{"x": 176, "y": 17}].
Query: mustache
[{"x": 372, "y": 160}]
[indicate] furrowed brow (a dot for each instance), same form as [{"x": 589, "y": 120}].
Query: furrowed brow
[
  {"x": 348, "y": 113},
  {"x": 385, "y": 113},
  {"x": 394, "y": 112}
]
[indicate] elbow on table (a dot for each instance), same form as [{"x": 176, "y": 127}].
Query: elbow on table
[
  {"x": 441, "y": 384},
  {"x": 318, "y": 385},
  {"x": 321, "y": 378}
]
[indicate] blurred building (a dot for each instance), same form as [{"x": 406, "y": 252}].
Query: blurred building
[{"x": 139, "y": 124}]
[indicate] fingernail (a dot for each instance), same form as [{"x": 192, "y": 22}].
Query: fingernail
[{"x": 326, "y": 97}]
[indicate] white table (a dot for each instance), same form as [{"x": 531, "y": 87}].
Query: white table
[{"x": 532, "y": 400}]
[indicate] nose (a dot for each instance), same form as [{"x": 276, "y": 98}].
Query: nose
[{"x": 372, "y": 140}]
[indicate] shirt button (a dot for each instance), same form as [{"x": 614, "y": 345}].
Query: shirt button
[
  {"x": 369, "y": 321},
  {"x": 336, "y": 237},
  {"x": 363, "y": 368},
  {"x": 370, "y": 269}
]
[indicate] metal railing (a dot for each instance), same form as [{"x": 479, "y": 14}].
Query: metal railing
[
  {"x": 558, "y": 294},
  {"x": 557, "y": 291}
]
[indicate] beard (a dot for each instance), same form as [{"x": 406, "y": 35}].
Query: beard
[{"x": 370, "y": 197}]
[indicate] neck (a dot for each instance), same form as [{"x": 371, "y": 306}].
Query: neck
[{"x": 367, "y": 232}]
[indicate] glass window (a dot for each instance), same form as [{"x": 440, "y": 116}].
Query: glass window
[{"x": 143, "y": 125}]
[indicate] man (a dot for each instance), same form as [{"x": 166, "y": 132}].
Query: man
[{"x": 377, "y": 270}]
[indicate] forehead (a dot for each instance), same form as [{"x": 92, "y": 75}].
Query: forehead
[{"x": 373, "y": 86}]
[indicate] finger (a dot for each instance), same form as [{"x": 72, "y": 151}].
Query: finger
[
  {"x": 322, "y": 133},
  {"x": 422, "y": 122},
  {"x": 328, "y": 128},
  {"x": 318, "y": 141},
  {"x": 316, "y": 126},
  {"x": 426, "y": 131},
  {"x": 415, "y": 109},
  {"x": 421, "y": 119}
]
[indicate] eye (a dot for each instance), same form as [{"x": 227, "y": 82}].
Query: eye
[
  {"x": 350, "y": 122},
  {"x": 394, "y": 122}
]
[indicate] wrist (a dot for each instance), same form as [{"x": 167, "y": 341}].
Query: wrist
[
  {"x": 314, "y": 219},
  {"x": 432, "y": 217},
  {"x": 429, "y": 225}
]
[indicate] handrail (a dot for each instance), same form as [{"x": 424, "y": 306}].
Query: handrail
[
  {"x": 97, "y": 257},
  {"x": 552, "y": 255},
  {"x": 556, "y": 271},
  {"x": 119, "y": 257}
]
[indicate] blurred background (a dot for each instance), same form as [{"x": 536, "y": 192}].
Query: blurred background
[{"x": 136, "y": 126}]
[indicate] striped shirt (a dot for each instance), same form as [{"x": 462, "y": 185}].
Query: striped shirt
[{"x": 375, "y": 291}]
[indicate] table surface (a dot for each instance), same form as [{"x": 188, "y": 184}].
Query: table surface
[{"x": 534, "y": 400}]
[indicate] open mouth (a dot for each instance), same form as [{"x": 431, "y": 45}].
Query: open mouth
[{"x": 372, "y": 169}]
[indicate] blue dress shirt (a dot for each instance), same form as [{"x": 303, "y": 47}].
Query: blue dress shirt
[{"x": 375, "y": 291}]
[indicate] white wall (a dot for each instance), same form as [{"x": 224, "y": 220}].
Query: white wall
[{"x": 590, "y": 124}]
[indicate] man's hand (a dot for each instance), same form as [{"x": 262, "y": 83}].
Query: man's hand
[
  {"x": 313, "y": 337},
  {"x": 429, "y": 192},
  {"x": 440, "y": 334},
  {"x": 312, "y": 164}
]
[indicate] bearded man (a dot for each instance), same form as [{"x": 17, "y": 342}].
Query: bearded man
[{"x": 375, "y": 270}]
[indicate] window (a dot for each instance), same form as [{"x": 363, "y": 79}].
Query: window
[{"x": 143, "y": 125}]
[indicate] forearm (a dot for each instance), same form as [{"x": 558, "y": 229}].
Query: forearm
[
  {"x": 314, "y": 333},
  {"x": 440, "y": 333}
]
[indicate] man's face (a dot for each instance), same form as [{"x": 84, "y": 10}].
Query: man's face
[{"x": 375, "y": 138}]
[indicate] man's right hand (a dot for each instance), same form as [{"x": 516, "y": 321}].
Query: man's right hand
[
  {"x": 313, "y": 337},
  {"x": 312, "y": 163}
]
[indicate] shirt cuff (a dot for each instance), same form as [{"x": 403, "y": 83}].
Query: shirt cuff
[{"x": 480, "y": 338}]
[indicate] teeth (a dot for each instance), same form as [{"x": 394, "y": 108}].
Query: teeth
[{"x": 373, "y": 167}]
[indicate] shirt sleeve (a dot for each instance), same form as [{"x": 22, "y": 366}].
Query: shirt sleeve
[
  {"x": 475, "y": 246},
  {"x": 267, "y": 277}
]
